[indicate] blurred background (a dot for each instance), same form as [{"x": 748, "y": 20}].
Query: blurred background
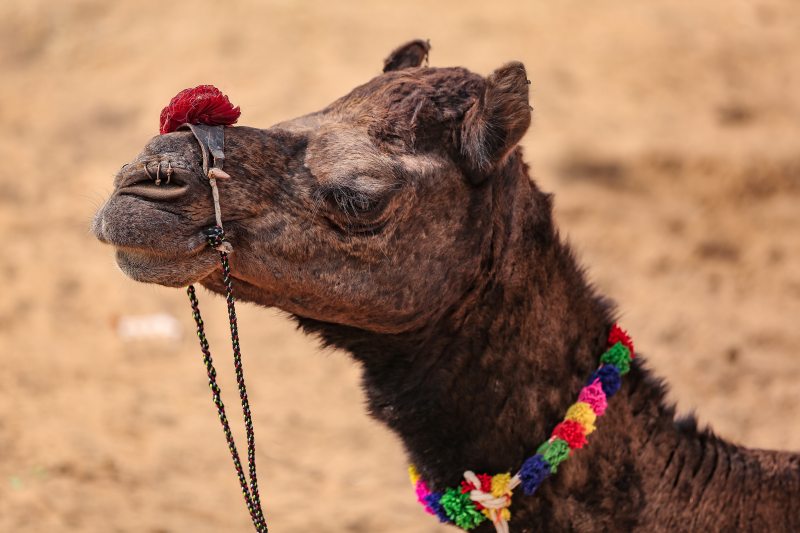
[{"x": 668, "y": 131}]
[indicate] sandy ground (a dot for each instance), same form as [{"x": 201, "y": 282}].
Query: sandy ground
[{"x": 669, "y": 131}]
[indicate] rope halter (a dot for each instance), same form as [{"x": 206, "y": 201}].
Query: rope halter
[{"x": 212, "y": 142}]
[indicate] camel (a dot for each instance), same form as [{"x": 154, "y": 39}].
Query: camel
[{"x": 401, "y": 225}]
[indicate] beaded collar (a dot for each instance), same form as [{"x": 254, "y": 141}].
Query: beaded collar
[{"x": 485, "y": 497}]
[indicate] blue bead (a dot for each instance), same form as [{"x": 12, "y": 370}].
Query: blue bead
[
  {"x": 609, "y": 377},
  {"x": 534, "y": 470},
  {"x": 432, "y": 500}
]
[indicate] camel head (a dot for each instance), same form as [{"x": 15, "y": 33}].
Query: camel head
[{"x": 374, "y": 212}]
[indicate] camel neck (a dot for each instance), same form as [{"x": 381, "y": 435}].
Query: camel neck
[
  {"x": 480, "y": 388},
  {"x": 498, "y": 372},
  {"x": 483, "y": 386}
]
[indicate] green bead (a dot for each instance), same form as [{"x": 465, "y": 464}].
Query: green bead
[
  {"x": 554, "y": 452},
  {"x": 461, "y": 509},
  {"x": 619, "y": 356}
]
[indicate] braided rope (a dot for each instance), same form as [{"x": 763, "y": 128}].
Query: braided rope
[{"x": 216, "y": 237}]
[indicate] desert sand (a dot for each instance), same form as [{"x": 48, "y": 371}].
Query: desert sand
[{"x": 668, "y": 131}]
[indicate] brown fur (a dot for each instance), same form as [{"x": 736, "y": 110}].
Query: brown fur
[{"x": 400, "y": 224}]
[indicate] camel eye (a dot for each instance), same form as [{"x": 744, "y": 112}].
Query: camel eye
[
  {"x": 352, "y": 202},
  {"x": 355, "y": 211}
]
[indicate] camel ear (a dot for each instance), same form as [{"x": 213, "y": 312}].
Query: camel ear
[
  {"x": 494, "y": 125},
  {"x": 408, "y": 55}
]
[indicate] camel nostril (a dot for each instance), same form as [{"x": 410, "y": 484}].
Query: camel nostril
[
  {"x": 155, "y": 180},
  {"x": 163, "y": 173}
]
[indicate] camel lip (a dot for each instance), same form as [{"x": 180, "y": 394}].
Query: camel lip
[
  {"x": 195, "y": 243},
  {"x": 192, "y": 250},
  {"x": 157, "y": 193},
  {"x": 195, "y": 246}
]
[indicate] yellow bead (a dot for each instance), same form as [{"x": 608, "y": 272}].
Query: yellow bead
[
  {"x": 582, "y": 413},
  {"x": 500, "y": 485},
  {"x": 504, "y": 513},
  {"x": 413, "y": 475}
]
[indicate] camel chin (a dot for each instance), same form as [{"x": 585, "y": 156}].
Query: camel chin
[{"x": 170, "y": 272}]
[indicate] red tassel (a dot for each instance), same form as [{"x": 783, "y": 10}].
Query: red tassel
[
  {"x": 618, "y": 334},
  {"x": 204, "y": 104},
  {"x": 486, "y": 486}
]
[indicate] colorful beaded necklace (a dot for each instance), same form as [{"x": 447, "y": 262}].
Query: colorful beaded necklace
[{"x": 485, "y": 497}]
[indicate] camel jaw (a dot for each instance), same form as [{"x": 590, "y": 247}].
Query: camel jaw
[{"x": 148, "y": 268}]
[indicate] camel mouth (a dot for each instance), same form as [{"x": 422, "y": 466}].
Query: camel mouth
[
  {"x": 192, "y": 246},
  {"x": 153, "y": 192},
  {"x": 133, "y": 223}
]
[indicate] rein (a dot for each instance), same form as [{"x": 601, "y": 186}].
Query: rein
[{"x": 212, "y": 140}]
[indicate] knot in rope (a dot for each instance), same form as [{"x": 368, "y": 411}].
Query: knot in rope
[
  {"x": 215, "y": 237},
  {"x": 496, "y": 501}
]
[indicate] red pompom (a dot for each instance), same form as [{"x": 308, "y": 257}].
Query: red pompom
[
  {"x": 486, "y": 486},
  {"x": 204, "y": 104},
  {"x": 618, "y": 334},
  {"x": 572, "y": 432}
]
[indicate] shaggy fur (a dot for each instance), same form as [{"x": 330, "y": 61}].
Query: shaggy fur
[{"x": 400, "y": 224}]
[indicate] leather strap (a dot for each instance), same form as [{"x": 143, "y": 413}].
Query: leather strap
[{"x": 212, "y": 145}]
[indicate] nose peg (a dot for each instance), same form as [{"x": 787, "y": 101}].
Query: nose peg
[
  {"x": 157, "y": 177},
  {"x": 218, "y": 173}
]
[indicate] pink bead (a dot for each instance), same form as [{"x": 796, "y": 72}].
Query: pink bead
[
  {"x": 593, "y": 395},
  {"x": 422, "y": 493}
]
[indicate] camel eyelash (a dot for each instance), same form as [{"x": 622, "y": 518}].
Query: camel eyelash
[{"x": 350, "y": 201}]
